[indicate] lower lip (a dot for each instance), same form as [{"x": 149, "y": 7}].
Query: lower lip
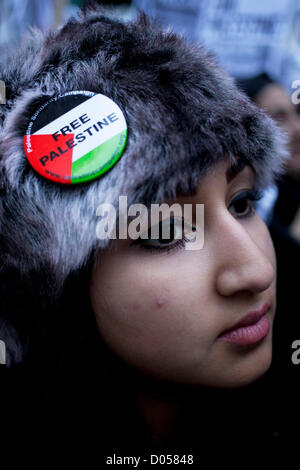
[{"x": 250, "y": 334}]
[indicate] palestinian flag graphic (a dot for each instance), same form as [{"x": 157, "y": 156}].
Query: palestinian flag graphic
[{"x": 75, "y": 137}]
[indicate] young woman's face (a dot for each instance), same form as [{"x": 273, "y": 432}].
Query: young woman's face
[{"x": 166, "y": 312}]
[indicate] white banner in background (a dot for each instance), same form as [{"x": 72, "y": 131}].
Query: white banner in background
[{"x": 247, "y": 36}]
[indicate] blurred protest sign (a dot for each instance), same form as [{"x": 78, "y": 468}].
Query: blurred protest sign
[{"x": 247, "y": 36}]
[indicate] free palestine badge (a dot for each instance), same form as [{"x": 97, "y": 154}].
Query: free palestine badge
[{"x": 75, "y": 137}]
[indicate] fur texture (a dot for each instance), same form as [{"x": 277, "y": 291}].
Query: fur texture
[{"x": 184, "y": 113}]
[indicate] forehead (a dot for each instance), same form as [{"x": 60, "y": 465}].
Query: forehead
[
  {"x": 233, "y": 170},
  {"x": 222, "y": 175}
]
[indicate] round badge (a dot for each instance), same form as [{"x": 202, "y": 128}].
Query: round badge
[{"x": 75, "y": 137}]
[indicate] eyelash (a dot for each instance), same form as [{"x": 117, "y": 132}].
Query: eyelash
[
  {"x": 251, "y": 196},
  {"x": 177, "y": 245}
]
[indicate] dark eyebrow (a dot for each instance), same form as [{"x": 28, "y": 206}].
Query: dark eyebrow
[{"x": 235, "y": 169}]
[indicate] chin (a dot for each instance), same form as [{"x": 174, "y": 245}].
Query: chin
[{"x": 248, "y": 370}]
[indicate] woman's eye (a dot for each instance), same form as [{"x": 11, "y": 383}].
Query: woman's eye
[
  {"x": 161, "y": 238},
  {"x": 243, "y": 205}
]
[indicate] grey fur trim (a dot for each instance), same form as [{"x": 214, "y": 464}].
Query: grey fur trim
[{"x": 184, "y": 114}]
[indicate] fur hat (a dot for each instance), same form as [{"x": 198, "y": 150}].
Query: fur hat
[{"x": 184, "y": 114}]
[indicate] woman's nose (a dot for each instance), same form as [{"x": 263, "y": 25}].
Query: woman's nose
[{"x": 242, "y": 265}]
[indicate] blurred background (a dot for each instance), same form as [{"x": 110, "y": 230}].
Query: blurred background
[
  {"x": 258, "y": 42},
  {"x": 248, "y": 36},
  {"x": 16, "y": 16}
]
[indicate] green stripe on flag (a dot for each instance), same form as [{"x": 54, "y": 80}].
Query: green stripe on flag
[{"x": 99, "y": 160}]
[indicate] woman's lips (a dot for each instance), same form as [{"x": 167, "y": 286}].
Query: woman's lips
[{"x": 252, "y": 328}]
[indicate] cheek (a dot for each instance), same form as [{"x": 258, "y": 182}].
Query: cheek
[
  {"x": 260, "y": 234},
  {"x": 155, "y": 324},
  {"x": 267, "y": 245},
  {"x": 138, "y": 314},
  {"x": 264, "y": 241}
]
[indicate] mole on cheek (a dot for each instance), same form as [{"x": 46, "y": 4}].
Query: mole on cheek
[{"x": 160, "y": 302}]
